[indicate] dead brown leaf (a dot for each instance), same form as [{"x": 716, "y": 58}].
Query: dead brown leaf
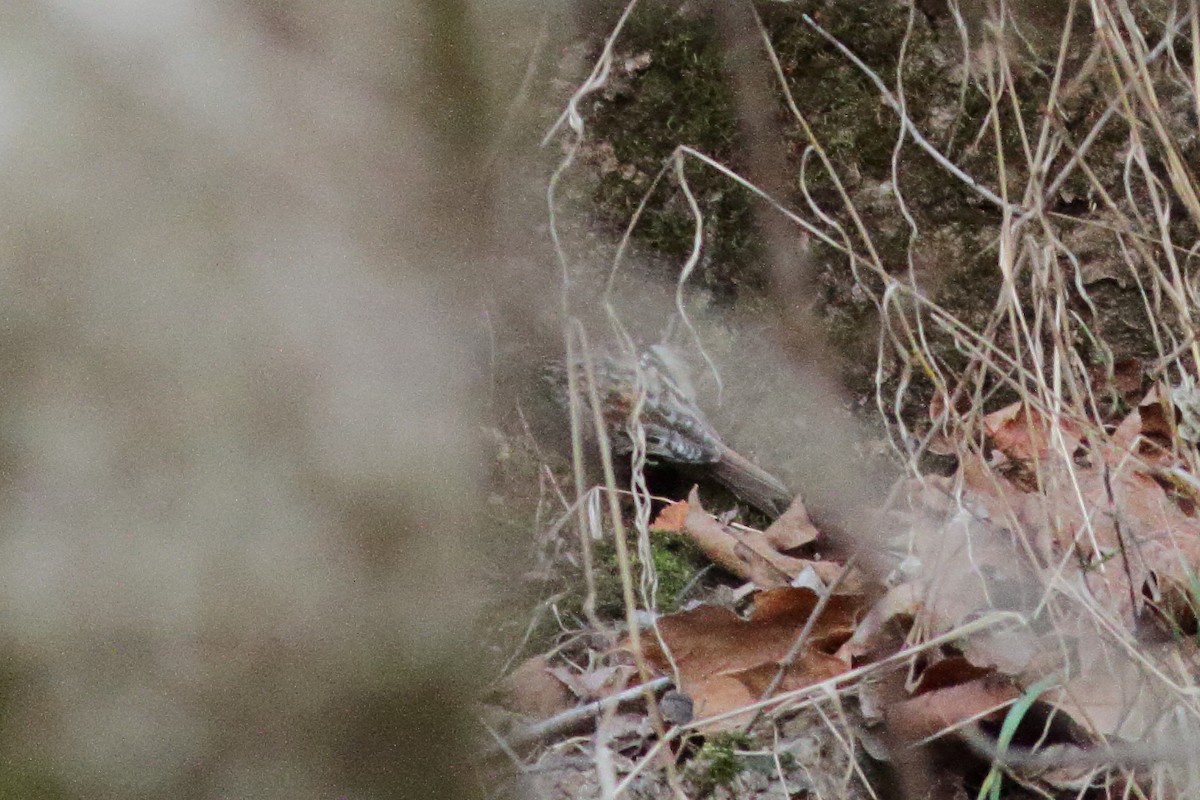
[
  {"x": 533, "y": 689},
  {"x": 927, "y": 714},
  {"x": 1131, "y": 539},
  {"x": 1106, "y": 515},
  {"x": 1018, "y": 432},
  {"x": 725, "y": 661},
  {"x": 728, "y": 547},
  {"x": 1105, "y": 505},
  {"x": 793, "y": 529},
  {"x": 760, "y": 571},
  {"x": 671, "y": 518}
]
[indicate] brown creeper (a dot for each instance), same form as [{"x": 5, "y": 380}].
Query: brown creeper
[{"x": 656, "y": 387}]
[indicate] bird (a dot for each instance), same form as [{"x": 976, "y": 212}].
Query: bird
[{"x": 650, "y": 396}]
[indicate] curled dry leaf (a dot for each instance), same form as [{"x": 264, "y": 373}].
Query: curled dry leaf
[
  {"x": 719, "y": 542},
  {"x": 1105, "y": 522},
  {"x": 1017, "y": 431},
  {"x": 749, "y": 554},
  {"x": 725, "y": 662},
  {"x": 793, "y": 529},
  {"x": 671, "y": 518},
  {"x": 934, "y": 712},
  {"x": 759, "y": 569}
]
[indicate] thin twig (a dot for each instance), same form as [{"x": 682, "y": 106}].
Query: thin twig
[{"x": 572, "y": 719}]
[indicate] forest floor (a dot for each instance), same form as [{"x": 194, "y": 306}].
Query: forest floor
[{"x": 959, "y": 326}]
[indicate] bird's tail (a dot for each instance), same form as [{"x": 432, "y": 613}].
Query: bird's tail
[{"x": 751, "y": 483}]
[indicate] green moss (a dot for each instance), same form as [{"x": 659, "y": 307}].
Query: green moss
[
  {"x": 682, "y": 97},
  {"x": 718, "y": 762},
  {"x": 833, "y": 95},
  {"x": 676, "y": 562}
]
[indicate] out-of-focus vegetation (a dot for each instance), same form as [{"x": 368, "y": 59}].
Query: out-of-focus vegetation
[{"x": 241, "y": 271}]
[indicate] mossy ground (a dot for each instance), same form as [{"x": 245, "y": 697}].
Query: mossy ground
[
  {"x": 718, "y": 763},
  {"x": 677, "y": 563},
  {"x": 670, "y": 87},
  {"x": 680, "y": 96}
]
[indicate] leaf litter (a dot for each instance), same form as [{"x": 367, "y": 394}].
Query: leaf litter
[
  {"x": 725, "y": 662},
  {"x": 1081, "y": 546}
]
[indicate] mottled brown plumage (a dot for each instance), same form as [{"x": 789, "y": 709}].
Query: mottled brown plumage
[{"x": 651, "y": 398}]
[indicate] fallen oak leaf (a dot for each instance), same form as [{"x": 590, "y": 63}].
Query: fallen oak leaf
[
  {"x": 1085, "y": 519},
  {"x": 726, "y": 642},
  {"x": 793, "y": 607},
  {"x": 1125, "y": 528},
  {"x": 1022, "y": 433},
  {"x": 811, "y": 667},
  {"x": 934, "y": 712},
  {"x": 1111, "y": 519},
  {"x": 725, "y": 661},
  {"x": 671, "y": 518}
]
